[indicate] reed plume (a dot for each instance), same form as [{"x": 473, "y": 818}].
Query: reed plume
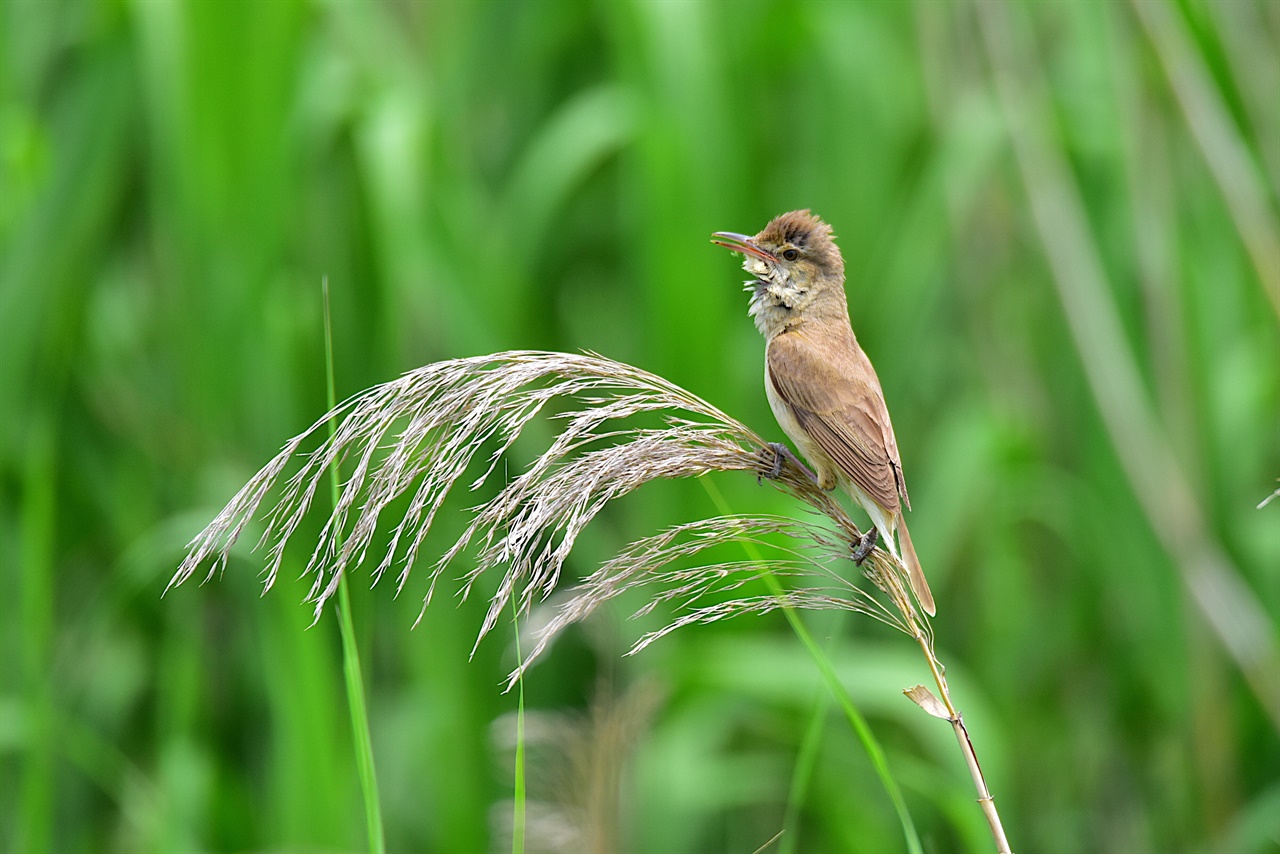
[{"x": 419, "y": 434}]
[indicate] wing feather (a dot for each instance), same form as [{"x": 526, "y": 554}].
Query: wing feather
[{"x": 835, "y": 396}]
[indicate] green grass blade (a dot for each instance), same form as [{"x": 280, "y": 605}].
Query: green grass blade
[
  {"x": 350, "y": 651},
  {"x": 519, "y": 797},
  {"x": 806, "y": 760}
]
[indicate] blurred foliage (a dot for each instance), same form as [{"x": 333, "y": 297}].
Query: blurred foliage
[{"x": 177, "y": 177}]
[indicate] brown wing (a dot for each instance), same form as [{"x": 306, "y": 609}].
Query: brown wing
[{"x": 836, "y": 398}]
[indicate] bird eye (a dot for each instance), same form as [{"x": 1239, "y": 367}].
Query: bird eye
[{"x": 791, "y": 255}]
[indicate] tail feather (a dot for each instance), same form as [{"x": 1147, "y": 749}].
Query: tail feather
[{"x": 914, "y": 573}]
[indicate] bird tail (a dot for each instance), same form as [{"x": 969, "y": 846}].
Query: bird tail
[{"x": 914, "y": 573}]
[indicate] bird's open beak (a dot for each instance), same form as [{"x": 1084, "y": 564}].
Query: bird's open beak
[{"x": 742, "y": 243}]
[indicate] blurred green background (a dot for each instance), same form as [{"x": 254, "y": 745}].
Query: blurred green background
[{"x": 1060, "y": 223}]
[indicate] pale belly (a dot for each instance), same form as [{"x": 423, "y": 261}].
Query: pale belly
[{"x": 824, "y": 467}]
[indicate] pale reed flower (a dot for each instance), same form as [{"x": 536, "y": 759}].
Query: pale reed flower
[{"x": 417, "y": 436}]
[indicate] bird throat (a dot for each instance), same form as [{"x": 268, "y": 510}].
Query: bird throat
[{"x": 773, "y": 304}]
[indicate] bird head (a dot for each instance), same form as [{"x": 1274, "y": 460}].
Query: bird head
[{"x": 799, "y": 272}]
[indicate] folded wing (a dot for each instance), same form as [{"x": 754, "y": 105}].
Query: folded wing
[{"x": 838, "y": 401}]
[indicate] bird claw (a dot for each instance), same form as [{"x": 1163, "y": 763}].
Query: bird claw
[
  {"x": 778, "y": 452},
  {"x": 865, "y": 545}
]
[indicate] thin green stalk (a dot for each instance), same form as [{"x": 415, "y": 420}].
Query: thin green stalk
[
  {"x": 518, "y": 816},
  {"x": 806, "y": 759},
  {"x": 350, "y": 652},
  {"x": 34, "y": 830},
  {"x": 855, "y": 718}
]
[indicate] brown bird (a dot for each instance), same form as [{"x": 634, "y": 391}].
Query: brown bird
[{"x": 821, "y": 386}]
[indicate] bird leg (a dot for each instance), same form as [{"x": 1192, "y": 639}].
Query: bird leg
[
  {"x": 865, "y": 545},
  {"x": 781, "y": 452}
]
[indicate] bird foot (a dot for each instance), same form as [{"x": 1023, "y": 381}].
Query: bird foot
[
  {"x": 865, "y": 545},
  {"x": 774, "y": 455}
]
